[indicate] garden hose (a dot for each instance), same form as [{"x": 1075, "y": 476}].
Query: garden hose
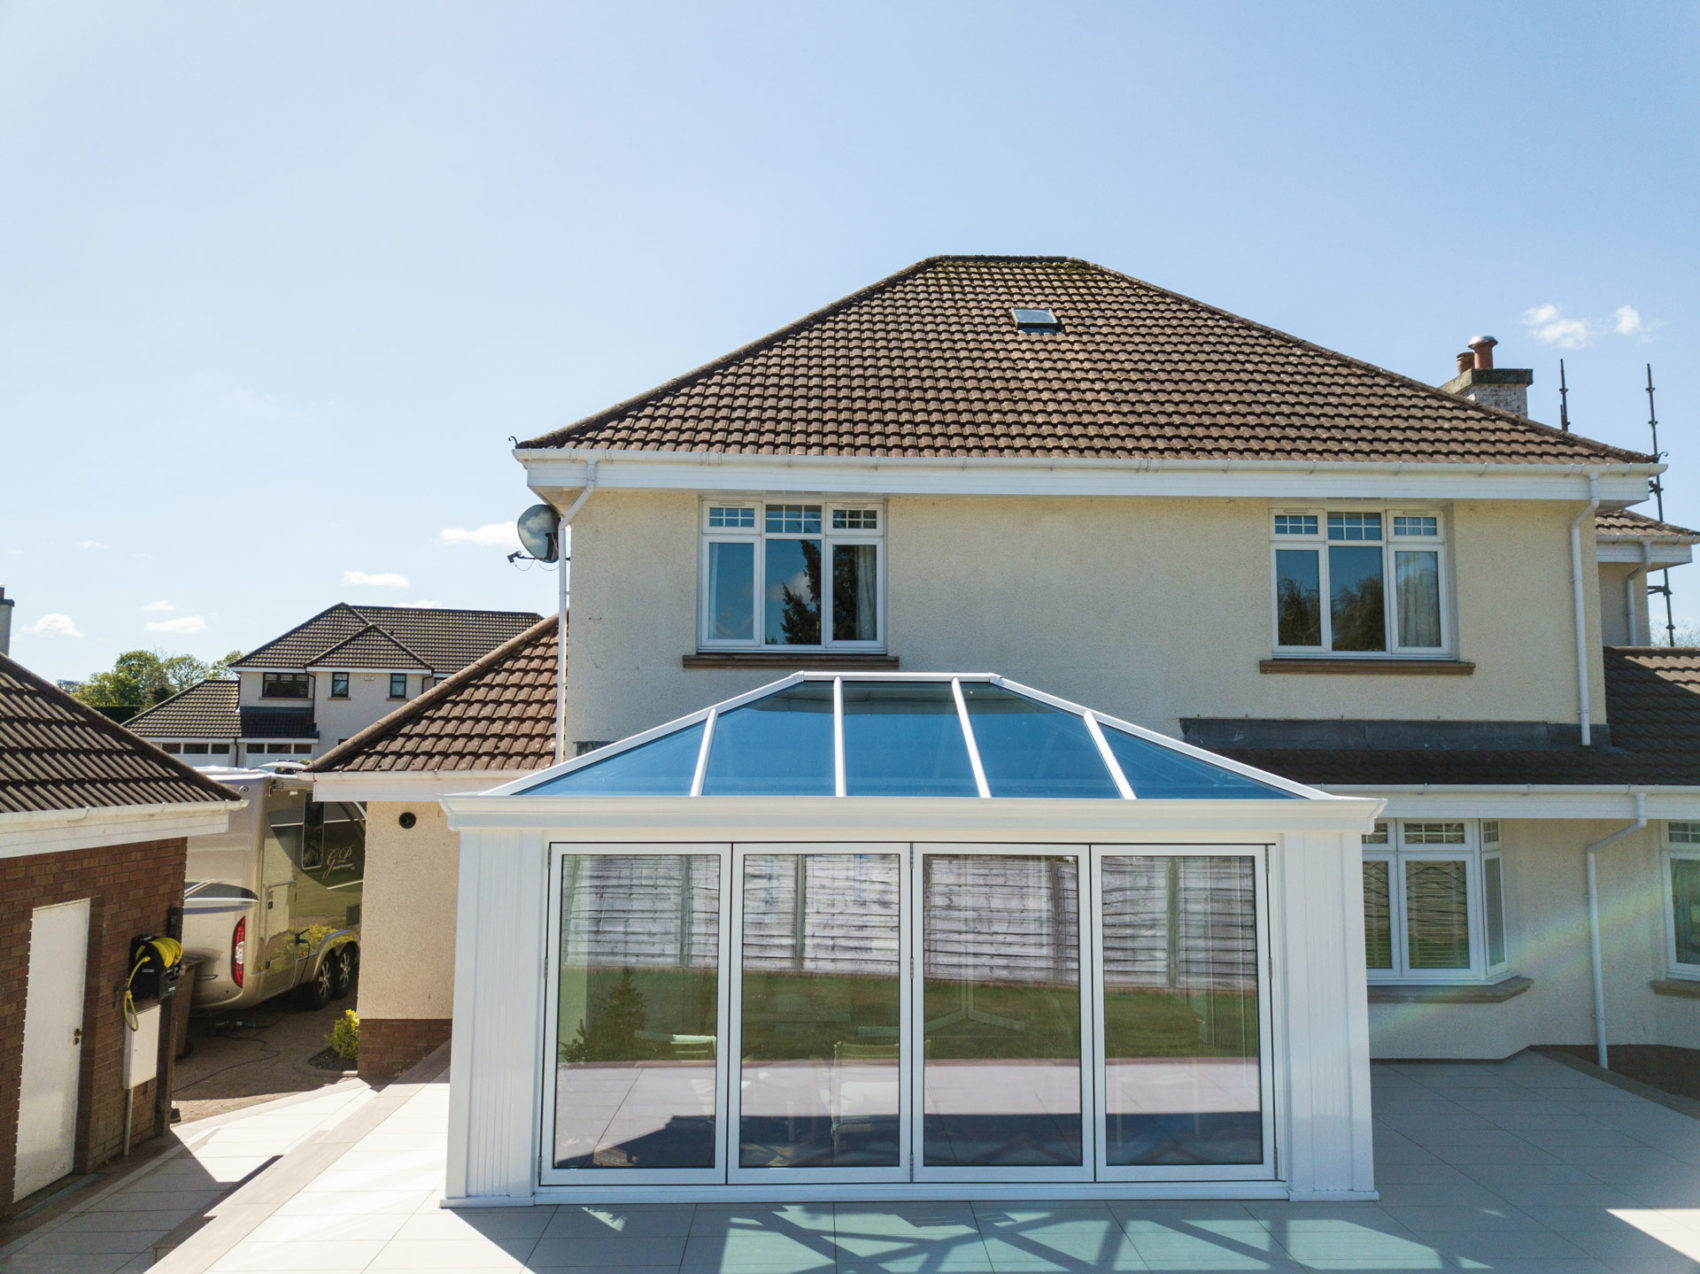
[{"x": 170, "y": 952}]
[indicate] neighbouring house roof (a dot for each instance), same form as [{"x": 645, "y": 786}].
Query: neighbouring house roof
[
  {"x": 209, "y": 710},
  {"x": 1621, "y": 524},
  {"x": 371, "y": 647},
  {"x": 58, "y": 754},
  {"x": 929, "y": 363},
  {"x": 1652, "y": 702},
  {"x": 443, "y": 640},
  {"x": 497, "y": 713}
]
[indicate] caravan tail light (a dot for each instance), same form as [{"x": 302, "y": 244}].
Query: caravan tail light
[{"x": 239, "y": 949}]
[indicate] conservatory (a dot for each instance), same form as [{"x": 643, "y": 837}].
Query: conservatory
[{"x": 853, "y": 935}]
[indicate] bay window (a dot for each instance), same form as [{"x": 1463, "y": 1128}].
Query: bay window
[
  {"x": 792, "y": 573},
  {"x": 1360, "y": 581},
  {"x": 1682, "y": 897},
  {"x": 1434, "y": 904}
]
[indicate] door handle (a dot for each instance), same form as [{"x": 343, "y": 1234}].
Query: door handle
[{"x": 77, "y": 1036}]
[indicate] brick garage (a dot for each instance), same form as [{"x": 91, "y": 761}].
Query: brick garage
[{"x": 132, "y": 890}]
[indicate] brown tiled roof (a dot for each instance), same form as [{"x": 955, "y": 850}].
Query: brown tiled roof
[
  {"x": 1621, "y": 524},
  {"x": 371, "y": 647},
  {"x": 444, "y": 640},
  {"x": 1652, "y": 702},
  {"x": 206, "y": 710},
  {"x": 495, "y": 714},
  {"x": 929, "y": 362},
  {"x": 58, "y": 754}
]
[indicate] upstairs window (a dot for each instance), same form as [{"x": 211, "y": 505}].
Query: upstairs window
[
  {"x": 398, "y": 685},
  {"x": 339, "y": 685},
  {"x": 792, "y": 573},
  {"x": 284, "y": 685},
  {"x": 1360, "y": 582}
]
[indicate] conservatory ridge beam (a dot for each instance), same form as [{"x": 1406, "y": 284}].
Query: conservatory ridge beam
[{"x": 968, "y": 738}]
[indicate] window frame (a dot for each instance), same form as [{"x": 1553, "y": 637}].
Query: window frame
[
  {"x": 403, "y": 693},
  {"x": 268, "y": 679},
  {"x": 758, "y": 536},
  {"x": 1474, "y": 851},
  {"x": 1391, "y": 543},
  {"x": 1672, "y": 852},
  {"x": 339, "y": 685}
]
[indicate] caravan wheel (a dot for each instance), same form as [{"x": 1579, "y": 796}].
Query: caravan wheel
[{"x": 344, "y": 961}]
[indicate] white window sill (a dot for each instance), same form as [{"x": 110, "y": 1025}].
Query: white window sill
[
  {"x": 1448, "y": 992},
  {"x": 792, "y": 660}
]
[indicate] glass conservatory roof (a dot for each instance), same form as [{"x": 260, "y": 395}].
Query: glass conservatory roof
[{"x": 904, "y": 734}]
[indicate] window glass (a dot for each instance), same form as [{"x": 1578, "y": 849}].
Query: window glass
[
  {"x": 284, "y": 685},
  {"x": 855, "y": 592},
  {"x": 1432, "y": 833},
  {"x": 778, "y": 746},
  {"x": 1030, "y": 749},
  {"x": 740, "y": 519},
  {"x": 1683, "y": 833},
  {"x": 1378, "y": 914},
  {"x": 1418, "y": 578},
  {"x": 1295, "y": 524},
  {"x": 1685, "y": 908},
  {"x": 174, "y": 748},
  {"x": 1493, "y": 898},
  {"x": 1437, "y": 914},
  {"x": 1155, "y": 772},
  {"x": 904, "y": 739},
  {"x": 732, "y": 589},
  {"x": 1407, "y": 524},
  {"x": 1357, "y": 608},
  {"x": 398, "y": 685},
  {"x": 219, "y": 749},
  {"x": 855, "y": 519},
  {"x": 793, "y": 519},
  {"x": 1377, "y": 835},
  {"x": 1298, "y": 597},
  {"x": 339, "y": 685},
  {"x": 661, "y": 767},
  {"x": 195, "y": 749},
  {"x": 792, "y": 592},
  {"x": 1354, "y": 526}
]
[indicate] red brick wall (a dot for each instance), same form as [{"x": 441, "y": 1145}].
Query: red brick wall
[
  {"x": 391, "y": 1045},
  {"x": 131, "y": 889}
]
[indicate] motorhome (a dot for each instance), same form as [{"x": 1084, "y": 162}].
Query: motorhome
[{"x": 273, "y": 904}]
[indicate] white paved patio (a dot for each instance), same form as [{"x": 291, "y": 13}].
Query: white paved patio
[{"x": 1525, "y": 1165}]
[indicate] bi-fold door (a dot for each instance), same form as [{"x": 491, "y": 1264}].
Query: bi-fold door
[{"x": 878, "y": 1013}]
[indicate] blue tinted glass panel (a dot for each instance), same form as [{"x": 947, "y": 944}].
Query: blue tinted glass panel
[
  {"x": 904, "y": 739},
  {"x": 1030, "y": 749},
  {"x": 793, "y": 592},
  {"x": 777, "y": 746},
  {"x": 661, "y": 767},
  {"x": 1159, "y": 773}
]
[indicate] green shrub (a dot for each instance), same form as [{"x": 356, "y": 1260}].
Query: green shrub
[{"x": 345, "y": 1035}]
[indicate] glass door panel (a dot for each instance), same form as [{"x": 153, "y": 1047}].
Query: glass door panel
[
  {"x": 637, "y": 1017},
  {"x": 1183, "y": 1016},
  {"x": 820, "y": 1015},
  {"x": 1001, "y": 1019}
]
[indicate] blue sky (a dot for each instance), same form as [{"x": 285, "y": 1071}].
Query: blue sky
[{"x": 278, "y": 282}]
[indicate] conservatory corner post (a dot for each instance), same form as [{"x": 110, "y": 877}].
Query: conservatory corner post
[
  {"x": 493, "y": 1133},
  {"x": 1328, "y": 1152}
]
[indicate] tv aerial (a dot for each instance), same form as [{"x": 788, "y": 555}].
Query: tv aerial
[{"x": 538, "y": 527}]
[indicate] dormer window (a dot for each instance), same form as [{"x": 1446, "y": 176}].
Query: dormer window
[
  {"x": 284, "y": 685},
  {"x": 1038, "y": 321}
]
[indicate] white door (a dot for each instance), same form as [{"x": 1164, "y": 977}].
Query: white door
[{"x": 53, "y": 1044}]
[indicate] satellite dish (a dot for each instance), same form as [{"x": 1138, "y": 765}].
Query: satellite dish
[{"x": 537, "y": 526}]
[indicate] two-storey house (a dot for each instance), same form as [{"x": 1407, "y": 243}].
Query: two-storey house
[{"x": 323, "y": 681}]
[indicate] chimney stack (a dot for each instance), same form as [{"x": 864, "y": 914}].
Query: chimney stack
[
  {"x": 1506, "y": 388},
  {"x": 6, "y": 605}
]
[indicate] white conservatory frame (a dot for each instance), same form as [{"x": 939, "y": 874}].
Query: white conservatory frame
[{"x": 1314, "y": 1054}]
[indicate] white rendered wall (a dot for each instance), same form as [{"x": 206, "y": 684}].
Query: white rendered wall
[{"x": 407, "y": 929}]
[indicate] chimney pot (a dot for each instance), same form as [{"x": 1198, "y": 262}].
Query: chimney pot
[
  {"x": 1483, "y": 347},
  {"x": 1466, "y": 361}
]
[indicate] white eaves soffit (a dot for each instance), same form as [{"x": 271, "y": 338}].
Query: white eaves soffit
[
  {"x": 930, "y": 747},
  {"x": 551, "y": 472}
]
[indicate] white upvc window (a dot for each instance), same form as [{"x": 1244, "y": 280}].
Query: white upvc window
[
  {"x": 1360, "y": 581},
  {"x": 1682, "y": 898},
  {"x": 793, "y": 573},
  {"x": 1434, "y": 901}
]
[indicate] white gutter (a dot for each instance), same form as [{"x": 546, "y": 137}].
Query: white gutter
[
  {"x": 1594, "y": 925},
  {"x": 1583, "y": 707},
  {"x": 561, "y": 614},
  {"x": 1629, "y": 606}
]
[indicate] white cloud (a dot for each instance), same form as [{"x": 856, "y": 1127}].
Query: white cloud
[
  {"x": 1547, "y": 325},
  {"x": 99, "y": 545},
  {"x": 56, "y": 625},
  {"x": 160, "y": 607},
  {"x": 387, "y": 579},
  {"x": 495, "y": 535},
  {"x": 425, "y": 604},
  {"x": 182, "y": 624},
  {"x": 1626, "y": 320}
]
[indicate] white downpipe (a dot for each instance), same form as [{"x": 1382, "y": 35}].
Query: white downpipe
[
  {"x": 1629, "y": 606},
  {"x": 561, "y": 609},
  {"x": 1594, "y": 924},
  {"x": 1584, "y": 709}
]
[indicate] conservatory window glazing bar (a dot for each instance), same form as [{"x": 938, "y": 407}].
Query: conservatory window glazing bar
[{"x": 968, "y": 735}]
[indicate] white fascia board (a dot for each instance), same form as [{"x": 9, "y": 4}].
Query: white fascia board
[
  {"x": 421, "y": 785},
  {"x": 831, "y": 818},
  {"x": 1664, "y": 553},
  {"x": 1528, "y": 801},
  {"x": 61, "y": 831},
  {"x": 554, "y": 471},
  {"x": 330, "y": 666}
]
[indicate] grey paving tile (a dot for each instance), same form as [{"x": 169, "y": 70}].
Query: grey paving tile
[
  {"x": 609, "y": 1254},
  {"x": 343, "y": 1254},
  {"x": 453, "y": 1254},
  {"x": 1487, "y": 1246},
  {"x": 1456, "y": 1220},
  {"x": 468, "y": 1225},
  {"x": 607, "y": 1220},
  {"x": 68, "y": 1263}
]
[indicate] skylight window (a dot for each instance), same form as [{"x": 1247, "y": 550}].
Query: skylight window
[{"x": 1036, "y": 320}]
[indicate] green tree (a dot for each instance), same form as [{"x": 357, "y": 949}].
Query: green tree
[{"x": 141, "y": 678}]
